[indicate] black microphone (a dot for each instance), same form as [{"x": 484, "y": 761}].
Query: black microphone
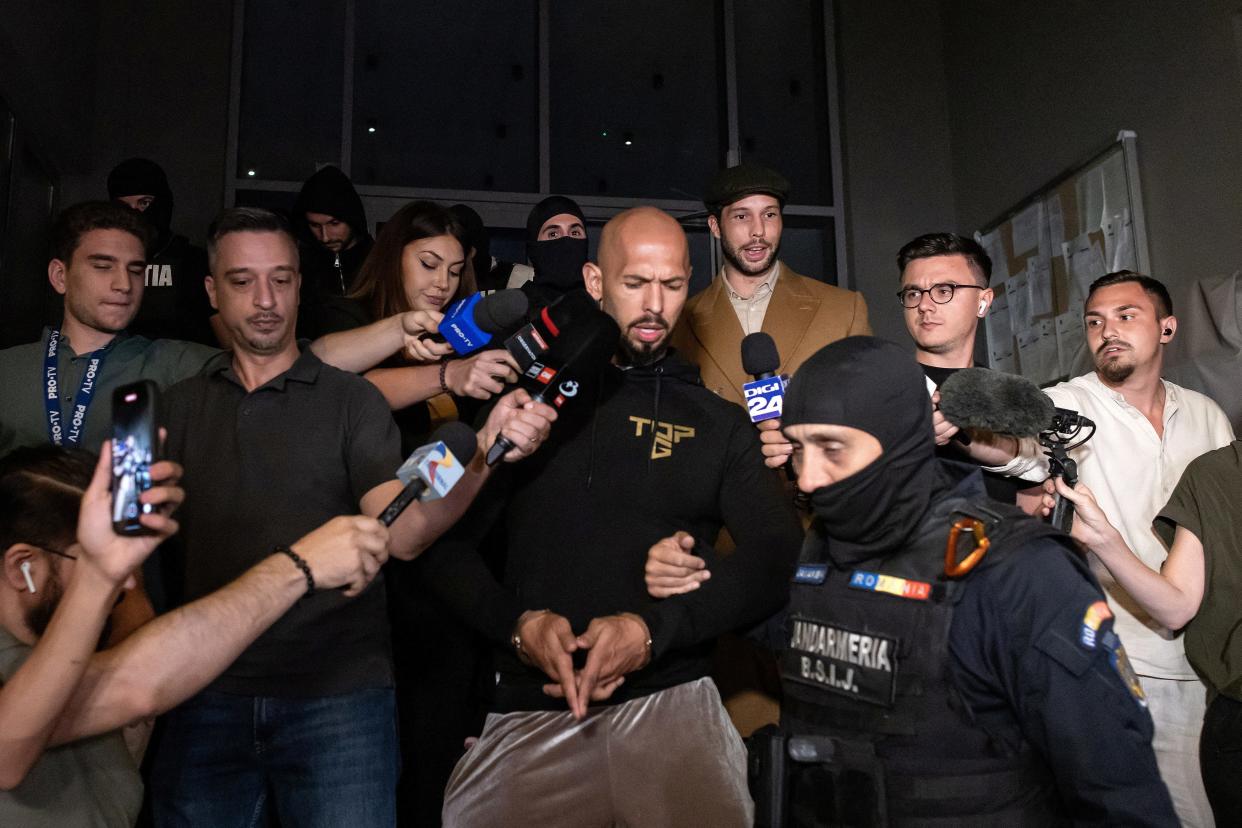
[
  {"x": 470, "y": 324},
  {"x": 533, "y": 340},
  {"x": 984, "y": 400},
  {"x": 760, "y": 358},
  {"x": 579, "y": 352},
  {"x": 433, "y": 469},
  {"x": 765, "y": 394}
]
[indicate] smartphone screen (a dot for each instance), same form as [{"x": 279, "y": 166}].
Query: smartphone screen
[{"x": 133, "y": 451}]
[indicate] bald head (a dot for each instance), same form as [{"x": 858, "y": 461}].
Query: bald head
[{"x": 642, "y": 278}]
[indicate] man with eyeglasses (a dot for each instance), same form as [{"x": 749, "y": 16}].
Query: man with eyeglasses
[{"x": 944, "y": 294}]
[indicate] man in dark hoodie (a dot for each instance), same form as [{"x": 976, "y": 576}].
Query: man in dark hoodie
[
  {"x": 572, "y": 623},
  {"x": 174, "y": 302},
  {"x": 332, "y": 233}
]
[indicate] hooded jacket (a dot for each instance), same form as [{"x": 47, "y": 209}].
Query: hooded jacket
[
  {"x": 639, "y": 454},
  {"x": 328, "y": 191}
]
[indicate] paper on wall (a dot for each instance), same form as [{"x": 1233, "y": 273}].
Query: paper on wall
[
  {"x": 1090, "y": 192},
  {"x": 1028, "y": 354},
  {"x": 1026, "y": 229},
  {"x": 995, "y": 248},
  {"x": 1071, "y": 341},
  {"x": 1086, "y": 262},
  {"x": 1123, "y": 257},
  {"x": 1039, "y": 283},
  {"x": 1019, "y": 294},
  {"x": 1000, "y": 335},
  {"x": 1113, "y": 184},
  {"x": 1056, "y": 223},
  {"x": 1046, "y": 347}
]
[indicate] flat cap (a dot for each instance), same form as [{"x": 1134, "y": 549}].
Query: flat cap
[{"x": 734, "y": 183}]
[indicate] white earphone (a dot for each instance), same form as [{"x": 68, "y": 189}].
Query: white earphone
[
  {"x": 25, "y": 568},
  {"x": 983, "y": 307}
]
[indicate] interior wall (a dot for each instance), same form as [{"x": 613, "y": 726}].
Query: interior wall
[
  {"x": 896, "y": 142},
  {"x": 1168, "y": 71},
  {"x": 162, "y": 92}
]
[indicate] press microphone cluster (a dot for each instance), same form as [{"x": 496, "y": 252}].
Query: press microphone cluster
[
  {"x": 578, "y": 354},
  {"x": 470, "y": 324},
  {"x": 765, "y": 394},
  {"x": 534, "y": 339},
  {"x": 431, "y": 471}
]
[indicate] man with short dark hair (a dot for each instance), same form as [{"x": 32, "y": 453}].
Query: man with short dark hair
[
  {"x": 63, "y": 762},
  {"x": 274, "y": 442},
  {"x": 59, "y": 389},
  {"x": 174, "y": 303},
  {"x": 1147, "y": 432},
  {"x": 755, "y": 291}
]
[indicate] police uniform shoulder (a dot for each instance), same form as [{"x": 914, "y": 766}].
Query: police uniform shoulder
[{"x": 1039, "y": 568}]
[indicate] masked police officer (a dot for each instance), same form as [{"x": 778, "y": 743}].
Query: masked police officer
[{"x": 975, "y": 685}]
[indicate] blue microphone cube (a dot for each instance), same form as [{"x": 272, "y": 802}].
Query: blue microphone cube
[
  {"x": 459, "y": 328},
  {"x": 765, "y": 398}
]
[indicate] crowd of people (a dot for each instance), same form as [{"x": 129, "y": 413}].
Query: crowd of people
[{"x": 654, "y": 611}]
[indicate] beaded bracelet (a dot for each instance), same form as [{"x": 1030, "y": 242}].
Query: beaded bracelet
[
  {"x": 443, "y": 369},
  {"x": 301, "y": 564}
]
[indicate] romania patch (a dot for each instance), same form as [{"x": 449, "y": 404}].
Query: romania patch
[
  {"x": 1092, "y": 619},
  {"x": 1124, "y": 669},
  {"x": 901, "y": 587}
]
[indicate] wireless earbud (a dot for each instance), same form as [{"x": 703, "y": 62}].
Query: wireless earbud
[
  {"x": 983, "y": 307},
  {"x": 1168, "y": 331},
  {"x": 25, "y": 568}
]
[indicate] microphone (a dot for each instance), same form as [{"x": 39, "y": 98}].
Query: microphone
[
  {"x": 984, "y": 400},
  {"x": 535, "y": 338},
  {"x": 431, "y": 471},
  {"x": 765, "y": 395},
  {"x": 579, "y": 352},
  {"x": 470, "y": 323}
]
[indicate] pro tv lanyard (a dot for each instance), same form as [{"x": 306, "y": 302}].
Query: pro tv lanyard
[{"x": 56, "y": 430}]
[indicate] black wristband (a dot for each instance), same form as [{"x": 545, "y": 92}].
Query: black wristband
[
  {"x": 443, "y": 368},
  {"x": 301, "y": 564}
]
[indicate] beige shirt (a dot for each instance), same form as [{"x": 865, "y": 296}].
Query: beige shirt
[
  {"x": 750, "y": 312},
  {"x": 1132, "y": 473}
]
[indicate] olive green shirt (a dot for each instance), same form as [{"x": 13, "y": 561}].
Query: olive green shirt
[
  {"x": 1206, "y": 502},
  {"x": 91, "y": 783},
  {"x": 23, "y": 412}
]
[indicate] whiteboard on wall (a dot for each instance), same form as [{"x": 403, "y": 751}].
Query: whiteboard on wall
[{"x": 1047, "y": 249}]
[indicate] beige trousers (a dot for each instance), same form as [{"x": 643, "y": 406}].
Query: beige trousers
[
  {"x": 1177, "y": 709},
  {"x": 668, "y": 759}
]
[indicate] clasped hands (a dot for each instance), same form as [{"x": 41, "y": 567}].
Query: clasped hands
[{"x": 616, "y": 645}]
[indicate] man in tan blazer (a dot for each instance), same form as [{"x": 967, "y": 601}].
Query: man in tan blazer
[{"x": 755, "y": 291}]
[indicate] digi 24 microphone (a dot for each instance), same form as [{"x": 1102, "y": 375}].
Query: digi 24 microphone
[
  {"x": 578, "y": 353},
  {"x": 469, "y": 324},
  {"x": 534, "y": 339},
  {"x": 765, "y": 395},
  {"x": 431, "y": 471}
]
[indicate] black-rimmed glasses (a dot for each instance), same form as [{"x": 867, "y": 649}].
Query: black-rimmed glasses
[{"x": 941, "y": 294}]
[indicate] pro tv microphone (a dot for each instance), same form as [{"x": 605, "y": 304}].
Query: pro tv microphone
[
  {"x": 431, "y": 471},
  {"x": 579, "y": 353},
  {"x": 469, "y": 324},
  {"x": 765, "y": 395}
]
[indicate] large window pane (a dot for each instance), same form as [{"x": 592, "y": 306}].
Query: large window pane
[
  {"x": 446, "y": 95},
  {"x": 781, "y": 93},
  {"x": 292, "y": 59},
  {"x": 635, "y": 92}
]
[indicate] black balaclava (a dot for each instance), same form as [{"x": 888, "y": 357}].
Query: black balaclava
[
  {"x": 142, "y": 176},
  {"x": 477, "y": 238},
  {"x": 557, "y": 262},
  {"x": 872, "y": 385}
]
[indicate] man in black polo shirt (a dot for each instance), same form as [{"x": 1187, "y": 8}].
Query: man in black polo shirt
[{"x": 273, "y": 443}]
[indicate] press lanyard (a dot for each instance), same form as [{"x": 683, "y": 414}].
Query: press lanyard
[{"x": 57, "y": 430}]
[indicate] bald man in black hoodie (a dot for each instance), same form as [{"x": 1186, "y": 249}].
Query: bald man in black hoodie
[
  {"x": 333, "y": 240},
  {"x": 572, "y": 623}
]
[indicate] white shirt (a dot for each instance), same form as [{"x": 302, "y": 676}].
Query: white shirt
[
  {"x": 751, "y": 310},
  {"x": 1132, "y": 473}
]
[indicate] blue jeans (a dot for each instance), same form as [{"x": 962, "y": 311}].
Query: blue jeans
[{"x": 329, "y": 761}]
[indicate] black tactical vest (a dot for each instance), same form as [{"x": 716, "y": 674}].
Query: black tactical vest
[{"x": 866, "y": 665}]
